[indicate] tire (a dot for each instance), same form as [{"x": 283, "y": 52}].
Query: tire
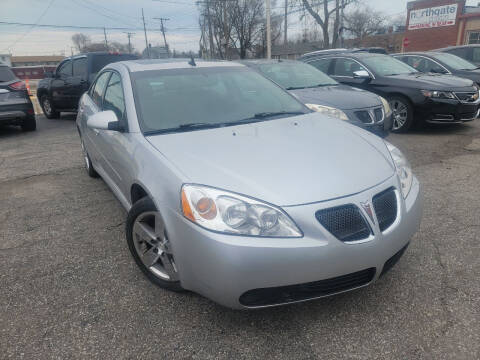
[
  {"x": 88, "y": 163},
  {"x": 402, "y": 113},
  {"x": 29, "y": 124},
  {"x": 48, "y": 109},
  {"x": 144, "y": 215}
]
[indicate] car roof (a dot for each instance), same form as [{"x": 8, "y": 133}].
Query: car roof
[
  {"x": 352, "y": 54},
  {"x": 256, "y": 62},
  {"x": 426, "y": 53},
  {"x": 165, "y": 64},
  {"x": 457, "y": 47}
]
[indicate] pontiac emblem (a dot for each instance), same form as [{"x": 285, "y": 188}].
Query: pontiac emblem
[{"x": 368, "y": 209}]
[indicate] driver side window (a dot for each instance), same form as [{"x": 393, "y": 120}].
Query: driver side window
[
  {"x": 65, "y": 70},
  {"x": 346, "y": 67}
]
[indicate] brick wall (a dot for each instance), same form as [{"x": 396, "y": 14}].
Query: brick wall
[{"x": 432, "y": 38}]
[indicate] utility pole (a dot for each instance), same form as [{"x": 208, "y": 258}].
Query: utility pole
[
  {"x": 210, "y": 33},
  {"x": 105, "y": 35},
  {"x": 162, "y": 29},
  {"x": 129, "y": 35},
  {"x": 225, "y": 28},
  {"x": 342, "y": 41},
  {"x": 145, "y": 31},
  {"x": 285, "y": 24},
  {"x": 269, "y": 35}
]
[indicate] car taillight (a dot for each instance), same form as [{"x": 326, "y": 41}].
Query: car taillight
[{"x": 19, "y": 85}]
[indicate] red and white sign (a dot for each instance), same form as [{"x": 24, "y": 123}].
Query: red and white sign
[
  {"x": 445, "y": 15},
  {"x": 406, "y": 42}
]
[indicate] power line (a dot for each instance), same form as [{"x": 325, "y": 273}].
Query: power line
[
  {"x": 32, "y": 25},
  {"x": 72, "y": 26}
]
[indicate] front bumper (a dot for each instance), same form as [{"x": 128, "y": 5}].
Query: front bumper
[
  {"x": 223, "y": 267},
  {"x": 440, "y": 111}
]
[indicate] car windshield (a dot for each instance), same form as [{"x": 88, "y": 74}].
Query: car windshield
[
  {"x": 455, "y": 62},
  {"x": 385, "y": 65},
  {"x": 194, "y": 98},
  {"x": 296, "y": 75}
]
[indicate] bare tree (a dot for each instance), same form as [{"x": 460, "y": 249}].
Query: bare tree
[
  {"x": 364, "y": 21},
  {"x": 238, "y": 23},
  {"x": 322, "y": 12},
  {"x": 81, "y": 41}
]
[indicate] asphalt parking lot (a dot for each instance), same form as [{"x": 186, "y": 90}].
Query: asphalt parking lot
[{"x": 69, "y": 288}]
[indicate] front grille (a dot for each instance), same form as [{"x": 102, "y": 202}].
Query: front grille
[
  {"x": 344, "y": 222},
  {"x": 306, "y": 291},
  {"x": 467, "y": 96},
  {"x": 364, "y": 116},
  {"x": 385, "y": 205},
  {"x": 393, "y": 260},
  {"x": 378, "y": 114}
]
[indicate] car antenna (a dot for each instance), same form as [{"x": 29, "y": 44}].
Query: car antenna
[{"x": 192, "y": 61}]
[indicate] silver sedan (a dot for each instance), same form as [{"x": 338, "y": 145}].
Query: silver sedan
[{"x": 237, "y": 191}]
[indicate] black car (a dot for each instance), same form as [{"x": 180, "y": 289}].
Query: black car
[
  {"x": 470, "y": 53},
  {"x": 62, "y": 90},
  {"x": 15, "y": 105},
  {"x": 413, "y": 96},
  {"x": 441, "y": 63},
  {"x": 321, "y": 93}
]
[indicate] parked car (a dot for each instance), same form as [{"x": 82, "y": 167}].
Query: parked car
[
  {"x": 470, "y": 53},
  {"x": 16, "y": 108},
  {"x": 237, "y": 191},
  {"x": 413, "y": 96},
  {"x": 61, "y": 90},
  {"x": 321, "y": 93},
  {"x": 375, "y": 50},
  {"x": 441, "y": 63}
]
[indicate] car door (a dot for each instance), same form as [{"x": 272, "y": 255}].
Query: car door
[
  {"x": 92, "y": 105},
  {"x": 61, "y": 97},
  {"x": 343, "y": 70},
  {"x": 115, "y": 147},
  {"x": 78, "y": 81},
  {"x": 324, "y": 65}
]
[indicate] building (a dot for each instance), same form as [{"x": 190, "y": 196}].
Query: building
[
  {"x": 6, "y": 59},
  {"x": 390, "y": 41},
  {"x": 433, "y": 24},
  {"x": 52, "y": 60}
]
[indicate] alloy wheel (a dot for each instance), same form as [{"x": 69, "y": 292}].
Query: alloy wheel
[
  {"x": 47, "y": 107},
  {"x": 400, "y": 113},
  {"x": 153, "y": 247}
]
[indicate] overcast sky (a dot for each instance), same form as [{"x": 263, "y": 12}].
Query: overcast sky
[{"x": 182, "y": 28}]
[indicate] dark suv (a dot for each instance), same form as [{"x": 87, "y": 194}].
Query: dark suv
[
  {"x": 413, "y": 96},
  {"x": 15, "y": 105},
  {"x": 62, "y": 90}
]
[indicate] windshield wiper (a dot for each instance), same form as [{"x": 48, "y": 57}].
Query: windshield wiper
[
  {"x": 184, "y": 127},
  {"x": 308, "y": 87},
  {"x": 266, "y": 114}
]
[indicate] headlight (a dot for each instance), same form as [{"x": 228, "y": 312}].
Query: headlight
[
  {"x": 230, "y": 213},
  {"x": 327, "y": 110},
  {"x": 438, "y": 94},
  {"x": 404, "y": 171},
  {"x": 386, "y": 106}
]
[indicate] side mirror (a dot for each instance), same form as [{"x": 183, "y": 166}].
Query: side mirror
[
  {"x": 48, "y": 74},
  {"x": 104, "y": 120},
  {"x": 438, "y": 71},
  {"x": 361, "y": 74}
]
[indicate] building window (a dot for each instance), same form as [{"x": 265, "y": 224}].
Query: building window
[{"x": 474, "y": 37}]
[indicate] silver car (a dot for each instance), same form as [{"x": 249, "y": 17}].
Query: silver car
[{"x": 237, "y": 191}]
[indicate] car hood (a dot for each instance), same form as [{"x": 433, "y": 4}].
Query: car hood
[
  {"x": 430, "y": 81},
  {"x": 288, "y": 161},
  {"x": 342, "y": 97},
  {"x": 473, "y": 75}
]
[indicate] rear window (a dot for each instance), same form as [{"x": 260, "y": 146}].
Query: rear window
[
  {"x": 99, "y": 61},
  {"x": 6, "y": 74}
]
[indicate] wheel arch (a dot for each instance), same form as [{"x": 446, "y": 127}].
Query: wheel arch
[{"x": 137, "y": 192}]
